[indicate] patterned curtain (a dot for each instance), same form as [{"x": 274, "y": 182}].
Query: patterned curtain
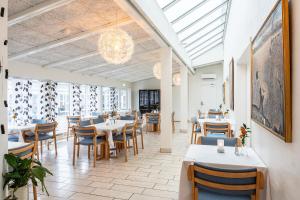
[
  {"x": 48, "y": 100},
  {"x": 93, "y": 99},
  {"x": 22, "y": 102},
  {"x": 114, "y": 99},
  {"x": 76, "y": 99}
]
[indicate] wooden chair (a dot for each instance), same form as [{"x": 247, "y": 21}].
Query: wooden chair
[
  {"x": 87, "y": 122},
  {"x": 98, "y": 120},
  {"x": 87, "y": 136},
  {"x": 215, "y": 113},
  {"x": 196, "y": 129},
  {"x": 26, "y": 152},
  {"x": 72, "y": 121},
  {"x": 153, "y": 119},
  {"x": 217, "y": 129},
  {"x": 124, "y": 138},
  {"x": 232, "y": 142},
  {"x": 174, "y": 121},
  {"x": 42, "y": 133},
  {"x": 211, "y": 183}
]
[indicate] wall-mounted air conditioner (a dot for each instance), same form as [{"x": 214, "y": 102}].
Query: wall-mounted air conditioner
[{"x": 208, "y": 76}]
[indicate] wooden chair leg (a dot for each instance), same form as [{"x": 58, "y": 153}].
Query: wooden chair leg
[
  {"x": 34, "y": 192},
  {"x": 78, "y": 149},
  {"x": 136, "y": 145},
  {"x": 142, "y": 139},
  {"x": 74, "y": 150},
  {"x": 55, "y": 146},
  {"x": 125, "y": 148},
  {"x": 41, "y": 142},
  {"x": 89, "y": 152},
  {"x": 195, "y": 138},
  {"x": 95, "y": 154}
]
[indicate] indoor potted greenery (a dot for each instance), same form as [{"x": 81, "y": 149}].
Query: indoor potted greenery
[{"x": 21, "y": 172}]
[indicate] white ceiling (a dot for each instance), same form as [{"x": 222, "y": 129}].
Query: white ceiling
[{"x": 65, "y": 37}]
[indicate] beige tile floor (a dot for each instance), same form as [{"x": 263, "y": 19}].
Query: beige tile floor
[{"x": 149, "y": 176}]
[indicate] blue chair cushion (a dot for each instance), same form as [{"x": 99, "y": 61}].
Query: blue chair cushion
[
  {"x": 218, "y": 135},
  {"x": 213, "y": 140},
  {"x": 127, "y": 117},
  {"x": 38, "y": 121},
  {"x": 120, "y": 137},
  {"x": 13, "y": 138},
  {"x": 89, "y": 140},
  {"x": 45, "y": 136},
  {"x": 206, "y": 195}
]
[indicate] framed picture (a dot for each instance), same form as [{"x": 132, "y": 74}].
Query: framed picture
[
  {"x": 231, "y": 84},
  {"x": 270, "y": 74}
]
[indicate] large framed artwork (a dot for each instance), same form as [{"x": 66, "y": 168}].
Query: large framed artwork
[
  {"x": 231, "y": 84},
  {"x": 270, "y": 74}
]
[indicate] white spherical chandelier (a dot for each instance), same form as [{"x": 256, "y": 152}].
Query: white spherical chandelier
[
  {"x": 116, "y": 46},
  {"x": 176, "y": 79},
  {"x": 157, "y": 70}
]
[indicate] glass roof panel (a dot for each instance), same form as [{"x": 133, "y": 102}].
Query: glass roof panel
[{"x": 199, "y": 24}]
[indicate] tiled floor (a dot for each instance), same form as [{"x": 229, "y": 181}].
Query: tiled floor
[{"x": 150, "y": 175}]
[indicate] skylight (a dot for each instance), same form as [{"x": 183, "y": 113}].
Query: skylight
[{"x": 199, "y": 24}]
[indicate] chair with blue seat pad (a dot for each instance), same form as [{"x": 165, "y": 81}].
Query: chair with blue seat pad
[
  {"x": 204, "y": 140},
  {"x": 84, "y": 123},
  {"x": 217, "y": 129},
  {"x": 196, "y": 129},
  {"x": 41, "y": 133},
  {"x": 87, "y": 136},
  {"x": 211, "y": 183},
  {"x": 26, "y": 152},
  {"x": 72, "y": 121},
  {"x": 127, "y": 117},
  {"x": 123, "y": 138},
  {"x": 153, "y": 119},
  {"x": 38, "y": 121},
  {"x": 98, "y": 120}
]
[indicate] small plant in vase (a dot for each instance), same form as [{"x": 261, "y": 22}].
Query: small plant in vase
[
  {"x": 245, "y": 131},
  {"x": 22, "y": 171}
]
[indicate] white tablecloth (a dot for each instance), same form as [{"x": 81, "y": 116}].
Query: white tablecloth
[
  {"x": 14, "y": 129},
  {"x": 16, "y": 145},
  {"x": 108, "y": 128},
  {"x": 208, "y": 155}
]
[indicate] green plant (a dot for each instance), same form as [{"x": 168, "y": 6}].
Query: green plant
[
  {"x": 23, "y": 170},
  {"x": 244, "y": 133}
]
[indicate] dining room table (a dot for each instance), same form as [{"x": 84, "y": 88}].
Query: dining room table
[
  {"x": 109, "y": 126},
  {"x": 18, "y": 129},
  {"x": 209, "y": 156}
]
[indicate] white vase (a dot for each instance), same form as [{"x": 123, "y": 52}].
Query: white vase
[{"x": 22, "y": 193}]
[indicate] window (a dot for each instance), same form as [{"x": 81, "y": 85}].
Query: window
[
  {"x": 106, "y": 98},
  {"x": 124, "y": 105},
  {"x": 63, "y": 108}
]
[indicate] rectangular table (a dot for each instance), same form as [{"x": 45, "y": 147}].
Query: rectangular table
[
  {"x": 15, "y": 129},
  {"x": 208, "y": 155}
]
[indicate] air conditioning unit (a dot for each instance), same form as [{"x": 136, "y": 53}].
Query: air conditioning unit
[{"x": 208, "y": 76}]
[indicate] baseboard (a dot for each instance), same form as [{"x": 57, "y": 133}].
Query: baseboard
[
  {"x": 183, "y": 130},
  {"x": 165, "y": 150}
]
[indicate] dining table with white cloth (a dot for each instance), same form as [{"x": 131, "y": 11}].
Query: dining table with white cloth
[
  {"x": 18, "y": 129},
  {"x": 208, "y": 155},
  {"x": 16, "y": 145},
  {"x": 107, "y": 128}
]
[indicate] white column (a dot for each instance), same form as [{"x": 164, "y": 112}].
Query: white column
[
  {"x": 166, "y": 100},
  {"x": 184, "y": 94},
  {"x": 3, "y": 89}
]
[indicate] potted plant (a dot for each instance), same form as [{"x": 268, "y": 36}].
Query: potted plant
[
  {"x": 22, "y": 171},
  {"x": 244, "y": 134}
]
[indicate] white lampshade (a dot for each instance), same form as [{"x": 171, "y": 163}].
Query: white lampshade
[
  {"x": 116, "y": 46},
  {"x": 157, "y": 70},
  {"x": 176, "y": 79}
]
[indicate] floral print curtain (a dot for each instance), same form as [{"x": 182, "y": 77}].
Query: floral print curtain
[
  {"x": 93, "y": 99},
  {"x": 22, "y": 102},
  {"x": 76, "y": 99},
  {"x": 114, "y": 99},
  {"x": 48, "y": 101}
]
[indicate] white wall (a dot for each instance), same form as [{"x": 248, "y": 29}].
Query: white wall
[
  {"x": 195, "y": 83},
  {"x": 30, "y": 71},
  {"x": 282, "y": 159}
]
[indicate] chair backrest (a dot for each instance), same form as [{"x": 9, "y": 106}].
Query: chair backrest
[
  {"x": 38, "y": 121},
  {"x": 129, "y": 128},
  {"x": 45, "y": 128},
  {"x": 24, "y": 152},
  {"x": 217, "y": 128},
  {"x": 85, "y": 131},
  {"x": 215, "y": 114},
  {"x": 85, "y": 122},
  {"x": 152, "y": 117},
  {"x": 73, "y": 120},
  {"x": 235, "y": 182},
  {"x": 127, "y": 117},
  {"x": 205, "y": 140},
  {"x": 98, "y": 120}
]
